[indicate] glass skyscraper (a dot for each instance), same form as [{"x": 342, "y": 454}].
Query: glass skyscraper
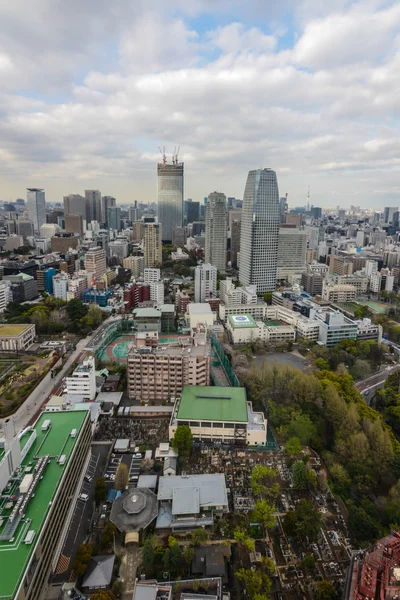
[
  {"x": 170, "y": 197},
  {"x": 36, "y": 205},
  {"x": 259, "y": 233}
]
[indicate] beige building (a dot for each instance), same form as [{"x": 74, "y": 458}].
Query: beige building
[
  {"x": 16, "y": 338},
  {"x": 95, "y": 261},
  {"x": 152, "y": 244},
  {"x": 74, "y": 223},
  {"x": 135, "y": 264},
  {"x": 340, "y": 265},
  {"x": 158, "y": 373},
  {"x": 338, "y": 293},
  {"x": 76, "y": 286}
]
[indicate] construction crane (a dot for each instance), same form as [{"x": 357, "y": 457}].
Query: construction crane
[
  {"x": 175, "y": 156},
  {"x": 162, "y": 152}
]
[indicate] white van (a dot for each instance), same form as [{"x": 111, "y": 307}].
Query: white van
[{"x": 83, "y": 497}]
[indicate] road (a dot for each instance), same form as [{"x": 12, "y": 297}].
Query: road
[
  {"x": 368, "y": 386},
  {"x": 32, "y": 406}
]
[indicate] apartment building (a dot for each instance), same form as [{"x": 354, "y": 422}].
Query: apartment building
[
  {"x": 135, "y": 264},
  {"x": 152, "y": 244},
  {"x": 338, "y": 293},
  {"x": 95, "y": 261},
  {"x": 160, "y": 372},
  {"x": 60, "y": 286}
]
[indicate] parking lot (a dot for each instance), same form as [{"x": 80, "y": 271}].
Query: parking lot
[{"x": 132, "y": 461}]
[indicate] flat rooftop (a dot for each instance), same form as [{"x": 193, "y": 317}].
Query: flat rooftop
[
  {"x": 208, "y": 403},
  {"x": 14, "y": 555},
  {"x": 199, "y": 308},
  {"x": 173, "y": 349},
  {"x": 13, "y": 330},
  {"x": 241, "y": 321}
]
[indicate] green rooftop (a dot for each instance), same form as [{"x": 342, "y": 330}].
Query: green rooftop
[
  {"x": 13, "y": 330},
  {"x": 15, "y": 554},
  {"x": 242, "y": 321},
  {"x": 207, "y": 403}
]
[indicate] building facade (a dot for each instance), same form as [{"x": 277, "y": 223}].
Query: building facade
[
  {"x": 152, "y": 244},
  {"x": 95, "y": 261},
  {"x": 170, "y": 197},
  {"x": 292, "y": 247},
  {"x": 205, "y": 282},
  {"x": 82, "y": 382},
  {"x": 259, "y": 235},
  {"x": 36, "y": 205},
  {"x": 216, "y": 231}
]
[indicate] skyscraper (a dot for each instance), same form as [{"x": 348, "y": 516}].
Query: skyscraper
[
  {"x": 216, "y": 225},
  {"x": 193, "y": 211},
  {"x": 36, "y": 204},
  {"x": 260, "y": 231},
  {"x": 75, "y": 204},
  {"x": 93, "y": 206},
  {"x": 114, "y": 217},
  {"x": 106, "y": 203},
  {"x": 170, "y": 196}
]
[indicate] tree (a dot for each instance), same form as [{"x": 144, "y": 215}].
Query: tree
[
  {"x": 108, "y": 534},
  {"x": 121, "y": 477},
  {"x": 102, "y": 595},
  {"x": 100, "y": 490},
  {"x": 303, "y": 522},
  {"x": 293, "y": 446},
  {"x": 82, "y": 558},
  {"x": 264, "y": 482},
  {"x": 76, "y": 310},
  {"x": 148, "y": 554},
  {"x": 117, "y": 587},
  {"x": 264, "y": 513},
  {"x": 199, "y": 536},
  {"x": 326, "y": 591},
  {"x": 182, "y": 440},
  {"x": 242, "y": 538},
  {"x": 299, "y": 475},
  {"x": 255, "y": 582},
  {"x": 268, "y": 297}
]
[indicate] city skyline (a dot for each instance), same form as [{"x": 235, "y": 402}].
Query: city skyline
[{"x": 239, "y": 88}]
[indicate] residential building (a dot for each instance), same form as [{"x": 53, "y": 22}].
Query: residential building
[
  {"x": 93, "y": 206},
  {"x": 170, "y": 196},
  {"x": 152, "y": 244},
  {"x": 82, "y": 382},
  {"x": 219, "y": 415},
  {"x": 338, "y": 293},
  {"x": 259, "y": 235},
  {"x": 157, "y": 292},
  {"x": 95, "y": 261},
  {"x": 76, "y": 286},
  {"x": 312, "y": 234},
  {"x": 135, "y": 264},
  {"x": 181, "y": 302},
  {"x": 74, "y": 223},
  {"x": 16, "y": 338},
  {"x": 205, "y": 282},
  {"x": 151, "y": 275},
  {"x": 334, "y": 327},
  {"x": 291, "y": 261},
  {"x": 133, "y": 213},
  {"x": 137, "y": 231},
  {"x": 159, "y": 373},
  {"x": 36, "y": 206},
  {"x": 375, "y": 282},
  {"x": 44, "y": 501},
  {"x": 5, "y": 295},
  {"x": 60, "y": 286},
  {"x": 232, "y": 296},
  {"x": 114, "y": 218},
  {"x": 216, "y": 231},
  {"x": 191, "y": 501},
  {"x": 135, "y": 294}
]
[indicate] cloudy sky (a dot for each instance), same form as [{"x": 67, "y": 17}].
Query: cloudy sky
[{"x": 311, "y": 88}]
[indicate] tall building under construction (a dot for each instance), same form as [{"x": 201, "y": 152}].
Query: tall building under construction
[{"x": 170, "y": 196}]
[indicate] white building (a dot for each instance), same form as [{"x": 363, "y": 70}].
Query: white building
[
  {"x": 60, "y": 286},
  {"x": 5, "y": 295},
  {"x": 334, "y": 327},
  {"x": 312, "y": 237},
  {"x": 42, "y": 244},
  {"x": 205, "y": 282},
  {"x": 82, "y": 382},
  {"x": 292, "y": 247},
  {"x": 118, "y": 248},
  {"x": 233, "y": 296},
  {"x": 36, "y": 205},
  {"x": 199, "y": 314},
  {"x": 338, "y": 293},
  {"x": 259, "y": 233},
  {"x": 95, "y": 261},
  {"x": 244, "y": 329},
  {"x": 76, "y": 286},
  {"x": 157, "y": 292},
  {"x": 375, "y": 281},
  {"x": 216, "y": 231},
  {"x": 151, "y": 275}
]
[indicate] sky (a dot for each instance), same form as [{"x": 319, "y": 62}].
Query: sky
[{"x": 90, "y": 89}]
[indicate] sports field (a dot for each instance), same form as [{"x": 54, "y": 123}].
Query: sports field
[
  {"x": 118, "y": 349},
  {"x": 378, "y": 307}
]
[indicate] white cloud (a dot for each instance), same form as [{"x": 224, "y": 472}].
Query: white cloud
[{"x": 236, "y": 38}]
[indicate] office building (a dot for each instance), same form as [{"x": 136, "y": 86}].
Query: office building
[
  {"x": 193, "y": 211},
  {"x": 219, "y": 415},
  {"x": 179, "y": 236},
  {"x": 231, "y": 295},
  {"x": 135, "y": 264},
  {"x": 60, "y": 286},
  {"x": 338, "y": 292},
  {"x": 23, "y": 287},
  {"x": 25, "y": 227},
  {"x": 259, "y": 235},
  {"x": 76, "y": 286},
  {"x": 119, "y": 248},
  {"x": 137, "y": 231},
  {"x": 216, "y": 231},
  {"x": 235, "y": 243},
  {"x": 75, "y": 204},
  {"x": 152, "y": 244},
  {"x": 95, "y": 261},
  {"x": 312, "y": 283},
  {"x": 133, "y": 213},
  {"x": 205, "y": 282},
  {"x": 74, "y": 223},
  {"x": 312, "y": 237},
  {"x": 114, "y": 218},
  {"x": 293, "y": 219},
  {"x": 93, "y": 206},
  {"x": 44, "y": 466},
  {"x": 16, "y": 338},
  {"x": 82, "y": 382},
  {"x": 170, "y": 196},
  {"x": 334, "y": 327},
  {"x": 5, "y": 295},
  {"x": 36, "y": 205},
  {"x": 340, "y": 265},
  {"x": 106, "y": 203},
  {"x": 63, "y": 242},
  {"x": 161, "y": 372},
  {"x": 49, "y": 229},
  {"x": 291, "y": 261},
  {"x": 13, "y": 242},
  {"x": 388, "y": 214}
]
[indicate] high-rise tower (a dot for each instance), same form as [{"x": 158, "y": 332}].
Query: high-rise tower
[
  {"x": 36, "y": 204},
  {"x": 93, "y": 206},
  {"x": 216, "y": 225},
  {"x": 170, "y": 196},
  {"x": 259, "y": 233}
]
